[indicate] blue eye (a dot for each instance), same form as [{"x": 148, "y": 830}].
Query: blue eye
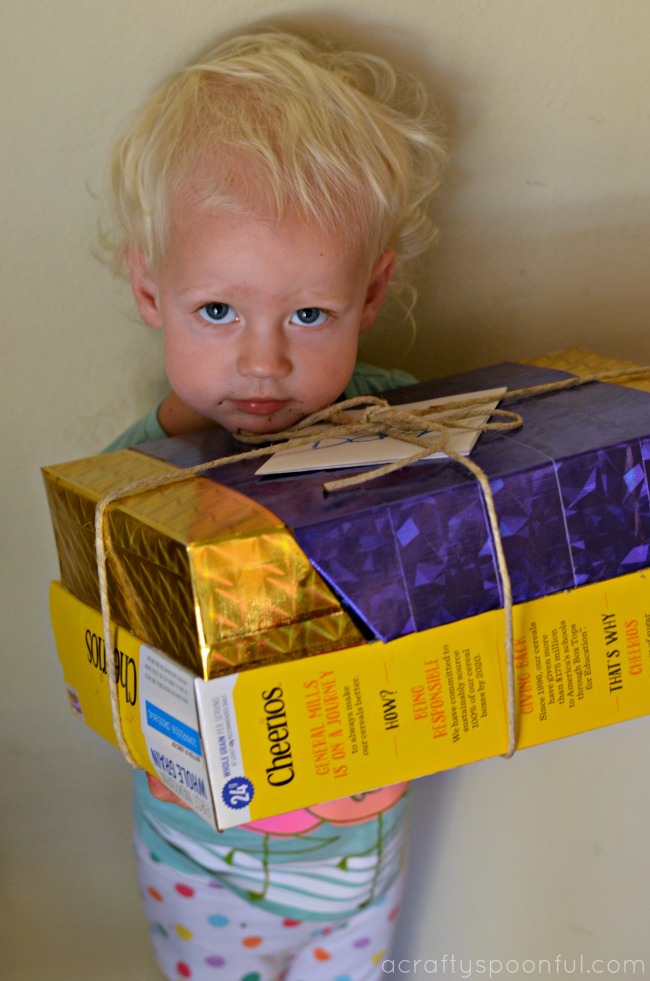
[
  {"x": 218, "y": 313},
  {"x": 309, "y": 317}
]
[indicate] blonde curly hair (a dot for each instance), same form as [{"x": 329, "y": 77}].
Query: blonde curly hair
[{"x": 337, "y": 137}]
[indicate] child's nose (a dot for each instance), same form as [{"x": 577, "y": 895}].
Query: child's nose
[{"x": 263, "y": 355}]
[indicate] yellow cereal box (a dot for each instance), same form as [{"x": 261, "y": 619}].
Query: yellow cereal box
[{"x": 282, "y": 736}]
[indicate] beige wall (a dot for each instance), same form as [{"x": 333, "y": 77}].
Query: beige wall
[{"x": 544, "y": 244}]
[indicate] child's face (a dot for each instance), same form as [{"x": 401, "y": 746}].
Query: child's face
[{"x": 261, "y": 320}]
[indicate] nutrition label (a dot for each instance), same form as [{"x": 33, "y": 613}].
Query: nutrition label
[{"x": 586, "y": 659}]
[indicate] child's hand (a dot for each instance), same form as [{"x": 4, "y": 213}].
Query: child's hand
[{"x": 161, "y": 792}]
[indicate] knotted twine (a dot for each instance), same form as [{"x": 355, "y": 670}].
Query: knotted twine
[{"x": 374, "y": 415}]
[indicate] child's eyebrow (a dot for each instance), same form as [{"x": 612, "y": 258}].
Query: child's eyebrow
[
  {"x": 207, "y": 288},
  {"x": 314, "y": 297}
]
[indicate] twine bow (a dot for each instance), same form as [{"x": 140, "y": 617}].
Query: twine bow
[{"x": 376, "y": 415}]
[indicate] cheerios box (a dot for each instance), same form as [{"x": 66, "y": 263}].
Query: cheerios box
[{"x": 278, "y": 737}]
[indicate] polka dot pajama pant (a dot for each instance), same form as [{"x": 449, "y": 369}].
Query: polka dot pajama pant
[{"x": 202, "y": 931}]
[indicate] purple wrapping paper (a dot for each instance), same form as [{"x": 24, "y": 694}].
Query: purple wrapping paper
[{"x": 413, "y": 550}]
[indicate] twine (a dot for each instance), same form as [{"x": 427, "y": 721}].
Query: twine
[{"x": 377, "y": 416}]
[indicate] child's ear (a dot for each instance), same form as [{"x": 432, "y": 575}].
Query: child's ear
[
  {"x": 380, "y": 277},
  {"x": 144, "y": 286}
]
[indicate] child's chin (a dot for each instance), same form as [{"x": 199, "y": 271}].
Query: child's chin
[
  {"x": 269, "y": 424},
  {"x": 268, "y": 428}
]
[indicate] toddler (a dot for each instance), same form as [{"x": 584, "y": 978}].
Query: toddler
[{"x": 264, "y": 200}]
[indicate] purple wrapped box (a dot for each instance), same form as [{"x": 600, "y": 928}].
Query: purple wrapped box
[{"x": 413, "y": 550}]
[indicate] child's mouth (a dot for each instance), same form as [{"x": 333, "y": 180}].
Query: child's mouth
[{"x": 259, "y": 407}]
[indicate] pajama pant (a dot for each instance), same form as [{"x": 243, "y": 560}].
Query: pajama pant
[{"x": 203, "y": 931}]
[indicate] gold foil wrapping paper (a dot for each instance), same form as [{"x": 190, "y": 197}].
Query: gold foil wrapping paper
[
  {"x": 196, "y": 569},
  {"x": 583, "y": 363}
]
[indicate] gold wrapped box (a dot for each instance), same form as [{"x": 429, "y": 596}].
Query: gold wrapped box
[{"x": 195, "y": 568}]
